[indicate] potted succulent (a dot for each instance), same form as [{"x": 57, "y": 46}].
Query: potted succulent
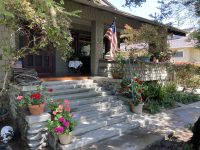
[
  {"x": 34, "y": 102},
  {"x": 62, "y": 124},
  {"x": 136, "y": 102}
]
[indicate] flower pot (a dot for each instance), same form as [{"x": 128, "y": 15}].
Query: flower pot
[
  {"x": 117, "y": 74},
  {"x": 137, "y": 109},
  {"x": 36, "y": 109},
  {"x": 65, "y": 138}
]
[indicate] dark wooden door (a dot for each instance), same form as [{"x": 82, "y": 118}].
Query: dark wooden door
[{"x": 43, "y": 63}]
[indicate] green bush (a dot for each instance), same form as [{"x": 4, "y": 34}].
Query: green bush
[
  {"x": 157, "y": 96},
  {"x": 187, "y": 75}
]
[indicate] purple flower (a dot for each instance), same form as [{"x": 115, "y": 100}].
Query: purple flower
[
  {"x": 59, "y": 129},
  {"x": 66, "y": 123},
  {"x": 61, "y": 119}
]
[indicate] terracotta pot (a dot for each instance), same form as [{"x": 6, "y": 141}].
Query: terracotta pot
[
  {"x": 65, "y": 138},
  {"x": 137, "y": 109},
  {"x": 36, "y": 109}
]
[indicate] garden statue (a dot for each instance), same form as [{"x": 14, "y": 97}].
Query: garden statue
[{"x": 7, "y": 133}]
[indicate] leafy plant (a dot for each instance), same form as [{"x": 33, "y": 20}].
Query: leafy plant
[
  {"x": 35, "y": 98},
  {"x": 117, "y": 69},
  {"x": 62, "y": 122}
]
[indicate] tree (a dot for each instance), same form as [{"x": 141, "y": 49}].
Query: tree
[
  {"x": 42, "y": 22},
  {"x": 154, "y": 38}
]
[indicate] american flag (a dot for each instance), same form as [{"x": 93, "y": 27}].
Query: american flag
[{"x": 111, "y": 34}]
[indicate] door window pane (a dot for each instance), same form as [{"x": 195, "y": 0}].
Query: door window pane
[
  {"x": 30, "y": 60},
  {"x": 38, "y": 60}
]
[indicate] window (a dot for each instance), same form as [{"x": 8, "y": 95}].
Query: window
[{"x": 178, "y": 54}]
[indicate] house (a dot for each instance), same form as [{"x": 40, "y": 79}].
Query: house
[
  {"x": 88, "y": 34},
  {"x": 184, "y": 50}
]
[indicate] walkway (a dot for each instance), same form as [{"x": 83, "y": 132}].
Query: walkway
[{"x": 153, "y": 128}]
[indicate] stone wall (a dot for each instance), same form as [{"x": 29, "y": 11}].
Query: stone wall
[
  {"x": 108, "y": 84},
  {"x": 33, "y": 129},
  {"x": 147, "y": 71}
]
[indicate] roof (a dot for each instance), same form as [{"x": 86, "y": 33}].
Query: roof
[
  {"x": 181, "y": 43},
  {"x": 107, "y": 6}
]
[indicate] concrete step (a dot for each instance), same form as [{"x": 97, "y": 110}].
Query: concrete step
[
  {"x": 99, "y": 123},
  {"x": 71, "y": 86},
  {"x": 101, "y": 105},
  {"x": 87, "y": 101},
  {"x": 66, "y": 82},
  {"x": 94, "y": 106},
  {"x": 76, "y": 96},
  {"x": 95, "y": 114},
  {"x": 98, "y": 135},
  {"x": 68, "y": 91}
]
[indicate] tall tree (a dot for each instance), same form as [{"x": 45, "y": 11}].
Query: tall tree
[{"x": 41, "y": 22}]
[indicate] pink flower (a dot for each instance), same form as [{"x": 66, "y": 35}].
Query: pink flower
[
  {"x": 19, "y": 97},
  {"x": 61, "y": 119},
  {"x": 59, "y": 129},
  {"x": 72, "y": 115},
  {"x": 66, "y": 102},
  {"x": 54, "y": 112},
  {"x": 60, "y": 107},
  {"x": 67, "y": 109},
  {"x": 66, "y": 123}
]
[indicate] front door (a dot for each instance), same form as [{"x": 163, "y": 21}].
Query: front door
[
  {"x": 82, "y": 49},
  {"x": 43, "y": 63}
]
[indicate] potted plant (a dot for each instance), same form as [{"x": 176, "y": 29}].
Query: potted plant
[
  {"x": 136, "y": 102},
  {"x": 62, "y": 124},
  {"x": 34, "y": 102},
  {"x": 117, "y": 69}
]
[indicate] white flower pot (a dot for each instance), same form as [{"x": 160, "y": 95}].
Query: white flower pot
[
  {"x": 65, "y": 138},
  {"x": 137, "y": 109}
]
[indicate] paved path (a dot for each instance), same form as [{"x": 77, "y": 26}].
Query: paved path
[{"x": 153, "y": 128}]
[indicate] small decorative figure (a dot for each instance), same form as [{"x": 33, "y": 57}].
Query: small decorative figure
[{"x": 7, "y": 134}]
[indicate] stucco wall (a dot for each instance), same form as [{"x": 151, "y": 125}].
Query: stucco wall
[
  {"x": 191, "y": 55},
  {"x": 185, "y": 58}
]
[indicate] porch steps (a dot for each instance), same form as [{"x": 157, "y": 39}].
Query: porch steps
[
  {"x": 94, "y": 124},
  {"x": 75, "y": 96},
  {"x": 68, "y": 91},
  {"x": 66, "y": 82},
  {"x": 99, "y": 115},
  {"x": 88, "y": 101},
  {"x": 98, "y": 135}
]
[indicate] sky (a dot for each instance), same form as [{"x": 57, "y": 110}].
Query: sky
[{"x": 147, "y": 8}]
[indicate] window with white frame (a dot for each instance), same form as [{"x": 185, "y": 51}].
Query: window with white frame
[{"x": 177, "y": 54}]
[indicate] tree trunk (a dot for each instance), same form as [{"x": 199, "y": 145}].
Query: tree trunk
[{"x": 195, "y": 140}]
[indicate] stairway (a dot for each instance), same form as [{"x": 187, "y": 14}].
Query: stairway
[{"x": 99, "y": 115}]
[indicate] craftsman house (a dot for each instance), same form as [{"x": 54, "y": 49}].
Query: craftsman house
[
  {"x": 184, "y": 50},
  {"x": 88, "y": 39}
]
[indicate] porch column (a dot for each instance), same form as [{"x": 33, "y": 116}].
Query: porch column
[{"x": 96, "y": 45}]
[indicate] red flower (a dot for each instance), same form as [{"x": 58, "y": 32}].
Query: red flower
[
  {"x": 136, "y": 79},
  {"x": 126, "y": 26},
  {"x": 140, "y": 98},
  {"x": 50, "y": 90},
  {"x": 35, "y": 96}
]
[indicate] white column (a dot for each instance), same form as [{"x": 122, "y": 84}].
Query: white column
[{"x": 96, "y": 45}]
